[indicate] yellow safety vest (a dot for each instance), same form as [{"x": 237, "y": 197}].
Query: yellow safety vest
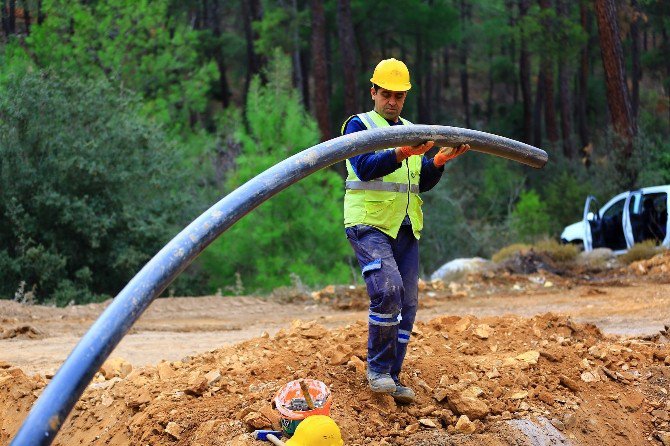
[{"x": 383, "y": 202}]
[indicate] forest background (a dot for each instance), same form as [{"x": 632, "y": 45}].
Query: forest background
[{"x": 121, "y": 121}]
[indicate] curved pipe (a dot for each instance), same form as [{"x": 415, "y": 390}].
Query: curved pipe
[{"x": 58, "y": 398}]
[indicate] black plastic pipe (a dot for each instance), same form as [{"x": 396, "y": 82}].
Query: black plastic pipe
[{"x": 56, "y": 401}]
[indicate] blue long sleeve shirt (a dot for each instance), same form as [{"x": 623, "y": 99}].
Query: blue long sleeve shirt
[{"x": 369, "y": 166}]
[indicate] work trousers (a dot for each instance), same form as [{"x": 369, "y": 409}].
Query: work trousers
[{"x": 390, "y": 268}]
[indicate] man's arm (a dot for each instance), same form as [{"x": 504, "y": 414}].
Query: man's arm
[
  {"x": 369, "y": 166},
  {"x": 430, "y": 174},
  {"x": 431, "y": 169}
]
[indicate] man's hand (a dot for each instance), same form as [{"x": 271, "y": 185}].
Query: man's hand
[
  {"x": 402, "y": 153},
  {"x": 448, "y": 153}
]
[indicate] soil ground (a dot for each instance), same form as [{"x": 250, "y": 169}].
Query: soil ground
[{"x": 537, "y": 359}]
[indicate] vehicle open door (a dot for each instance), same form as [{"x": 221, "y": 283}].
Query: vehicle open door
[
  {"x": 653, "y": 218},
  {"x": 631, "y": 219},
  {"x": 591, "y": 221}
]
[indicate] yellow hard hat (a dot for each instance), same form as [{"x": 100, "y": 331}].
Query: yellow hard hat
[
  {"x": 317, "y": 430},
  {"x": 391, "y": 74}
]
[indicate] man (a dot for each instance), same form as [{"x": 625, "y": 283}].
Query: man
[{"x": 383, "y": 222}]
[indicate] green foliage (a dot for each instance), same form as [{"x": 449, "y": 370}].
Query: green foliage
[
  {"x": 499, "y": 188},
  {"x": 447, "y": 233},
  {"x": 529, "y": 220},
  {"x": 137, "y": 44},
  {"x": 299, "y": 231},
  {"x": 281, "y": 27},
  {"x": 548, "y": 34},
  {"x": 85, "y": 187},
  {"x": 640, "y": 251},
  {"x": 566, "y": 187},
  {"x": 558, "y": 252},
  {"x": 509, "y": 251}
]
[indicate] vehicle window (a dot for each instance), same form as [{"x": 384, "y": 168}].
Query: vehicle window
[
  {"x": 614, "y": 211},
  {"x": 653, "y": 217}
]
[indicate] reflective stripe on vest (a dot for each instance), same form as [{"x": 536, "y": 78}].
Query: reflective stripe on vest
[{"x": 386, "y": 186}]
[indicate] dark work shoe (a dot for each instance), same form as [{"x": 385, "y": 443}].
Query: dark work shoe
[
  {"x": 381, "y": 382},
  {"x": 403, "y": 395}
]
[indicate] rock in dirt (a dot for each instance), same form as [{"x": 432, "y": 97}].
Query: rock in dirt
[
  {"x": 458, "y": 268},
  {"x": 116, "y": 367},
  {"x": 465, "y": 403},
  {"x": 339, "y": 354},
  {"x": 356, "y": 364},
  {"x": 165, "y": 371},
  {"x": 663, "y": 437},
  {"x": 464, "y": 425},
  {"x": 427, "y": 422},
  {"x": 484, "y": 331},
  {"x": 213, "y": 377},
  {"x": 197, "y": 385},
  {"x": 138, "y": 399},
  {"x": 569, "y": 383},
  {"x": 540, "y": 432},
  {"x": 597, "y": 258},
  {"x": 256, "y": 420},
  {"x": 174, "y": 430},
  {"x": 21, "y": 332},
  {"x": 529, "y": 357}
]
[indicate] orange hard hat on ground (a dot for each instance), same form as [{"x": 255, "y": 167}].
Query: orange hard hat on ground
[
  {"x": 391, "y": 74},
  {"x": 317, "y": 430}
]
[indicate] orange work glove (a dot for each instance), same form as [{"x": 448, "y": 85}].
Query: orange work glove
[
  {"x": 448, "y": 153},
  {"x": 407, "y": 151}
]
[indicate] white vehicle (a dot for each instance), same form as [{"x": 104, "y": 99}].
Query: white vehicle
[{"x": 628, "y": 218}]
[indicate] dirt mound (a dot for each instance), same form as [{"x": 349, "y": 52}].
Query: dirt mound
[
  {"x": 590, "y": 388},
  {"x": 21, "y": 332},
  {"x": 658, "y": 265},
  {"x": 530, "y": 262}
]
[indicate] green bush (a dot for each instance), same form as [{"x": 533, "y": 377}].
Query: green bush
[
  {"x": 86, "y": 193},
  {"x": 556, "y": 251},
  {"x": 509, "y": 251},
  {"x": 640, "y": 251},
  {"x": 299, "y": 231},
  {"x": 529, "y": 220}
]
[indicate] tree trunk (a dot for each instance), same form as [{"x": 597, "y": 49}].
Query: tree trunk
[
  {"x": 489, "y": 98},
  {"x": 582, "y": 98},
  {"x": 509, "y": 6},
  {"x": 548, "y": 87},
  {"x": 537, "y": 112},
  {"x": 431, "y": 91},
  {"x": 345, "y": 30},
  {"x": 524, "y": 78},
  {"x": 549, "y": 102},
  {"x": 635, "y": 56},
  {"x": 445, "y": 67},
  {"x": 298, "y": 72},
  {"x": 5, "y": 18},
  {"x": 40, "y": 13},
  {"x": 27, "y": 19},
  {"x": 215, "y": 23},
  {"x": 618, "y": 98},
  {"x": 418, "y": 80},
  {"x": 12, "y": 17},
  {"x": 564, "y": 95},
  {"x": 320, "y": 69},
  {"x": 366, "y": 66},
  {"x": 463, "y": 59},
  {"x": 665, "y": 46},
  {"x": 251, "y": 11}
]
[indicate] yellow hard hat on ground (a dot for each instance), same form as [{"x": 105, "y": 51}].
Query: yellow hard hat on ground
[
  {"x": 391, "y": 74},
  {"x": 317, "y": 430}
]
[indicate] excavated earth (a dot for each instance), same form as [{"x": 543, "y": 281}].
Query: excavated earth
[{"x": 549, "y": 359}]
